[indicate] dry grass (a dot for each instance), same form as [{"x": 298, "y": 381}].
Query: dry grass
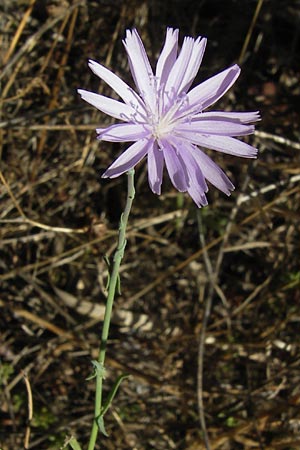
[{"x": 58, "y": 220}]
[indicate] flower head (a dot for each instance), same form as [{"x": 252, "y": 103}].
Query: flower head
[{"x": 167, "y": 122}]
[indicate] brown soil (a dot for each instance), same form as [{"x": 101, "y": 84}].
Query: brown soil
[{"x": 59, "y": 219}]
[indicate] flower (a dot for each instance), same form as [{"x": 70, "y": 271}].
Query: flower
[{"x": 167, "y": 122}]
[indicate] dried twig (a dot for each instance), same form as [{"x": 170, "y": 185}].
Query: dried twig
[
  {"x": 30, "y": 411},
  {"x": 250, "y": 31}
]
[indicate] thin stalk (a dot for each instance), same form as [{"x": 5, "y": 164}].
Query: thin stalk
[{"x": 118, "y": 256}]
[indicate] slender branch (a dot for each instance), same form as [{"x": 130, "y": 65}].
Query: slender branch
[{"x": 109, "y": 304}]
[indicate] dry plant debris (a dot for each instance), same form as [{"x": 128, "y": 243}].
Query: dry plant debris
[{"x": 58, "y": 220}]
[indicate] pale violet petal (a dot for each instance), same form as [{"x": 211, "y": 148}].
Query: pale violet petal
[
  {"x": 108, "y": 105},
  {"x": 155, "y": 168},
  {"x": 224, "y": 144},
  {"x": 211, "y": 171},
  {"x": 193, "y": 64},
  {"x": 219, "y": 127},
  {"x": 178, "y": 70},
  {"x": 197, "y": 186},
  {"x": 140, "y": 67},
  {"x": 123, "y": 132},
  {"x": 194, "y": 171},
  {"x": 211, "y": 90},
  {"x": 119, "y": 86},
  {"x": 167, "y": 56},
  {"x": 240, "y": 117},
  {"x": 128, "y": 159},
  {"x": 197, "y": 195},
  {"x": 176, "y": 171}
]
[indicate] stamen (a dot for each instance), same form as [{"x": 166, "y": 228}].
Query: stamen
[{"x": 127, "y": 118}]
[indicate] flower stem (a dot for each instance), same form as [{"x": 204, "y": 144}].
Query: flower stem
[{"x": 113, "y": 281}]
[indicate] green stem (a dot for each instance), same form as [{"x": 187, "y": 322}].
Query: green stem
[{"x": 109, "y": 304}]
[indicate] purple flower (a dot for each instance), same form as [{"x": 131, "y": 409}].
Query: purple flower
[{"x": 166, "y": 122}]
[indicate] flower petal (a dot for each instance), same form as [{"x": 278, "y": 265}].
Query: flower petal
[
  {"x": 211, "y": 90},
  {"x": 140, "y": 67},
  {"x": 199, "y": 198},
  {"x": 177, "y": 172},
  {"x": 211, "y": 171},
  {"x": 155, "y": 168},
  {"x": 123, "y": 132},
  {"x": 193, "y": 64},
  {"x": 167, "y": 56},
  {"x": 224, "y": 144},
  {"x": 128, "y": 159},
  {"x": 108, "y": 105},
  {"x": 197, "y": 186},
  {"x": 178, "y": 70},
  {"x": 237, "y": 117},
  {"x": 219, "y": 126},
  {"x": 119, "y": 86}
]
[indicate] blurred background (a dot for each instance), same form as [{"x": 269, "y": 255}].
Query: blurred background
[{"x": 235, "y": 262}]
